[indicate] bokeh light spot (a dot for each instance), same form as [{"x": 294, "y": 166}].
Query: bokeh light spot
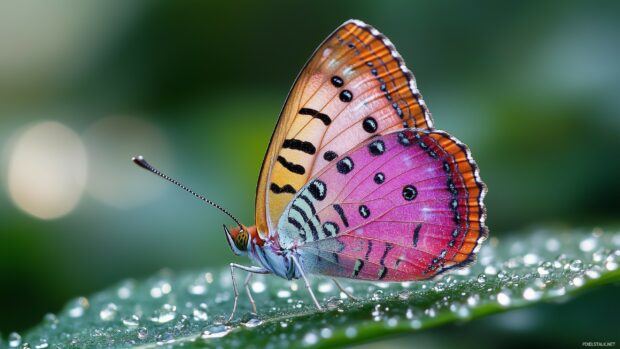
[{"x": 47, "y": 170}]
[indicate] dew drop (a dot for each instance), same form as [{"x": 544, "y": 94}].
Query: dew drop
[
  {"x": 599, "y": 255},
  {"x": 182, "y": 323},
  {"x": 557, "y": 291},
  {"x": 544, "y": 269},
  {"x": 284, "y": 294},
  {"x": 482, "y": 278},
  {"x": 50, "y": 320},
  {"x": 416, "y": 324},
  {"x": 164, "y": 338},
  {"x": 325, "y": 287},
  {"x": 611, "y": 265},
  {"x": 576, "y": 265},
  {"x": 350, "y": 332},
  {"x": 166, "y": 313},
  {"x": 503, "y": 275},
  {"x": 310, "y": 339},
  {"x": 376, "y": 312},
  {"x": 78, "y": 307},
  {"x": 377, "y": 295},
  {"x": 473, "y": 300},
  {"x": 333, "y": 303},
  {"x": 258, "y": 287},
  {"x": 404, "y": 294},
  {"x": 439, "y": 287},
  {"x": 409, "y": 314},
  {"x": 530, "y": 259},
  {"x": 131, "y": 321},
  {"x": 198, "y": 287},
  {"x": 253, "y": 322},
  {"x": 578, "y": 281},
  {"x": 531, "y": 294},
  {"x": 326, "y": 332},
  {"x": 14, "y": 340},
  {"x": 463, "y": 312},
  {"x": 594, "y": 272},
  {"x": 503, "y": 298},
  {"x": 588, "y": 244},
  {"x": 215, "y": 331},
  {"x": 108, "y": 313},
  {"x": 160, "y": 288},
  {"x": 392, "y": 322},
  {"x": 552, "y": 245},
  {"x": 199, "y": 314},
  {"x": 490, "y": 270},
  {"x": 42, "y": 344},
  {"x": 143, "y": 332},
  {"x": 125, "y": 290}
]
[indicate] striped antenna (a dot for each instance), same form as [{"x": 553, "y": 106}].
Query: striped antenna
[{"x": 140, "y": 161}]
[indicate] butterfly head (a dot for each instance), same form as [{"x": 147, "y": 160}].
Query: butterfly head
[{"x": 240, "y": 237}]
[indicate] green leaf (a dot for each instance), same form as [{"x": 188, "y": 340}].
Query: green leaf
[{"x": 189, "y": 308}]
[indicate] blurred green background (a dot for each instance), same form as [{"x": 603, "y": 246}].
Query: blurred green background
[{"x": 196, "y": 87}]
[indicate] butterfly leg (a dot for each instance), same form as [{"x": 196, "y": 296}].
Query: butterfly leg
[
  {"x": 250, "y": 269},
  {"x": 303, "y": 276},
  {"x": 247, "y": 290},
  {"x": 343, "y": 290}
]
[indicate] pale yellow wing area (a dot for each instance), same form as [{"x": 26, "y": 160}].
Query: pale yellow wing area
[{"x": 354, "y": 86}]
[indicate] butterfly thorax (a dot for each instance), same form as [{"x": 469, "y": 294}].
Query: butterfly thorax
[
  {"x": 274, "y": 258},
  {"x": 245, "y": 241}
]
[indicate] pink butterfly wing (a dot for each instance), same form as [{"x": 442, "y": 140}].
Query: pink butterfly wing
[{"x": 402, "y": 206}]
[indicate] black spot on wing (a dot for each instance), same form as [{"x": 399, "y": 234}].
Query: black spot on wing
[
  {"x": 377, "y": 147},
  {"x": 379, "y": 178},
  {"x": 345, "y": 165},
  {"x": 370, "y": 124},
  {"x": 330, "y": 229},
  {"x": 410, "y": 192},
  {"x": 318, "y": 189},
  {"x": 337, "y": 81},
  {"x": 346, "y": 96},
  {"x": 364, "y": 211},
  {"x": 329, "y": 155}
]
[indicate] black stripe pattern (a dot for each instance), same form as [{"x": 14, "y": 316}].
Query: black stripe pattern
[
  {"x": 416, "y": 234},
  {"x": 300, "y": 145},
  {"x": 295, "y": 168},
  {"x": 315, "y": 114},
  {"x": 276, "y": 189},
  {"x": 340, "y": 212}
]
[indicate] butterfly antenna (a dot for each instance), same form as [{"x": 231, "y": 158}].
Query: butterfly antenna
[{"x": 140, "y": 161}]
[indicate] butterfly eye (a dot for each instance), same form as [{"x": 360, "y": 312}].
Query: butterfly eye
[
  {"x": 241, "y": 240},
  {"x": 235, "y": 238}
]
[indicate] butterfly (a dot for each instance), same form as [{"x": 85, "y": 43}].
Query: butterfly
[{"x": 356, "y": 182}]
